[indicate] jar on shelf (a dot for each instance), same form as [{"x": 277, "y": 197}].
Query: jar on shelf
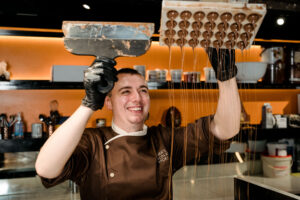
[
  {"x": 191, "y": 77},
  {"x": 151, "y": 76},
  {"x": 161, "y": 75},
  {"x": 210, "y": 76},
  {"x": 186, "y": 77},
  {"x": 176, "y": 75}
]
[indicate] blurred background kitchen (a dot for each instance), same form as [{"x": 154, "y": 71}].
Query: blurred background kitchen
[{"x": 41, "y": 85}]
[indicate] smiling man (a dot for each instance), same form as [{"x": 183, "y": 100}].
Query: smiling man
[
  {"x": 129, "y": 101},
  {"x": 130, "y": 160}
]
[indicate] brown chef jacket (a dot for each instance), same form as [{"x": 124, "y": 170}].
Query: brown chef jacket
[{"x": 134, "y": 167}]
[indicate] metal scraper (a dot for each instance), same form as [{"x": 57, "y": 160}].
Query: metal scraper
[{"x": 107, "y": 40}]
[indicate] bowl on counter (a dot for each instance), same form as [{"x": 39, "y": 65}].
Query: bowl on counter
[{"x": 250, "y": 72}]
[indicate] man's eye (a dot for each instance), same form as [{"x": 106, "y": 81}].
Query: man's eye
[
  {"x": 144, "y": 91},
  {"x": 125, "y": 92}
]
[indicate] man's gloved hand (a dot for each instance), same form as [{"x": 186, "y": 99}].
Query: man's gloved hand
[
  {"x": 98, "y": 81},
  {"x": 223, "y": 62}
]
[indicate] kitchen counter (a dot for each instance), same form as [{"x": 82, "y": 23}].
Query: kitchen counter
[
  {"x": 207, "y": 181},
  {"x": 191, "y": 182},
  {"x": 217, "y": 182},
  {"x": 32, "y": 189}
]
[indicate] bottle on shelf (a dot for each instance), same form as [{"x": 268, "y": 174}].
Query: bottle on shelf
[
  {"x": 268, "y": 120},
  {"x": 4, "y": 127},
  {"x": 53, "y": 119},
  {"x": 19, "y": 127},
  {"x": 54, "y": 115},
  {"x": 294, "y": 69}
]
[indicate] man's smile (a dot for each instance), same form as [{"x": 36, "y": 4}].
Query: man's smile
[{"x": 135, "y": 108}]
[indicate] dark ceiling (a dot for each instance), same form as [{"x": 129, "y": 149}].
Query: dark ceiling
[{"x": 51, "y": 13}]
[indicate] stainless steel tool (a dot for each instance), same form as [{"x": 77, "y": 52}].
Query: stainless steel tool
[{"x": 107, "y": 40}]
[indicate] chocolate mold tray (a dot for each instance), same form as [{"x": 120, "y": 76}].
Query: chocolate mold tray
[{"x": 210, "y": 24}]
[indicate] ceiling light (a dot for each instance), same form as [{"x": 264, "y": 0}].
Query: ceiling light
[
  {"x": 280, "y": 21},
  {"x": 86, "y": 6},
  {"x": 27, "y": 14}
]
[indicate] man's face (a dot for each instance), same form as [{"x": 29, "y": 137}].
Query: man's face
[{"x": 129, "y": 101}]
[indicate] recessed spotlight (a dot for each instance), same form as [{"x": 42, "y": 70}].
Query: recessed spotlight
[
  {"x": 27, "y": 14},
  {"x": 86, "y": 6},
  {"x": 280, "y": 21}
]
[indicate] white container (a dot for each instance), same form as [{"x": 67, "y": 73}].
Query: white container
[
  {"x": 250, "y": 72},
  {"x": 276, "y": 166},
  {"x": 281, "y": 122},
  {"x": 176, "y": 75},
  {"x": 68, "y": 73},
  {"x": 273, "y": 148}
]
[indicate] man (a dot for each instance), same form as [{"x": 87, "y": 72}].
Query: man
[{"x": 130, "y": 160}]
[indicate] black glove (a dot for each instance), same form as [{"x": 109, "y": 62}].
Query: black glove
[
  {"x": 98, "y": 80},
  {"x": 223, "y": 62}
]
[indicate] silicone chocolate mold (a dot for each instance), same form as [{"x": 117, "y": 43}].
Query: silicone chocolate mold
[{"x": 210, "y": 24}]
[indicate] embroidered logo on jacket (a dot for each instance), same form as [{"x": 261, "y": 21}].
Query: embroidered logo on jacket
[{"x": 162, "y": 156}]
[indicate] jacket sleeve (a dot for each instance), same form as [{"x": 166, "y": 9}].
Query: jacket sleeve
[
  {"x": 78, "y": 164},
  {"x": 195, "y": 140}
]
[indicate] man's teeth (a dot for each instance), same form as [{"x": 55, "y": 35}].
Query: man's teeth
[{"x": 135, "y": 109}]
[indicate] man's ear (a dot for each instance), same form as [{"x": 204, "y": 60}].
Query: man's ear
[{"x": 108, "y": 103}]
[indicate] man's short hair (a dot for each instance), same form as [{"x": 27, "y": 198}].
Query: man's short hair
[{"x": 127, "y": 71}]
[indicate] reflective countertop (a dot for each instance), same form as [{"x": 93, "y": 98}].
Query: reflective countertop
[{"x": 205, "y": 182}]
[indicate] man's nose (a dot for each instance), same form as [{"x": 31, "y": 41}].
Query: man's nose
[{"x": 136, "y": 96}]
